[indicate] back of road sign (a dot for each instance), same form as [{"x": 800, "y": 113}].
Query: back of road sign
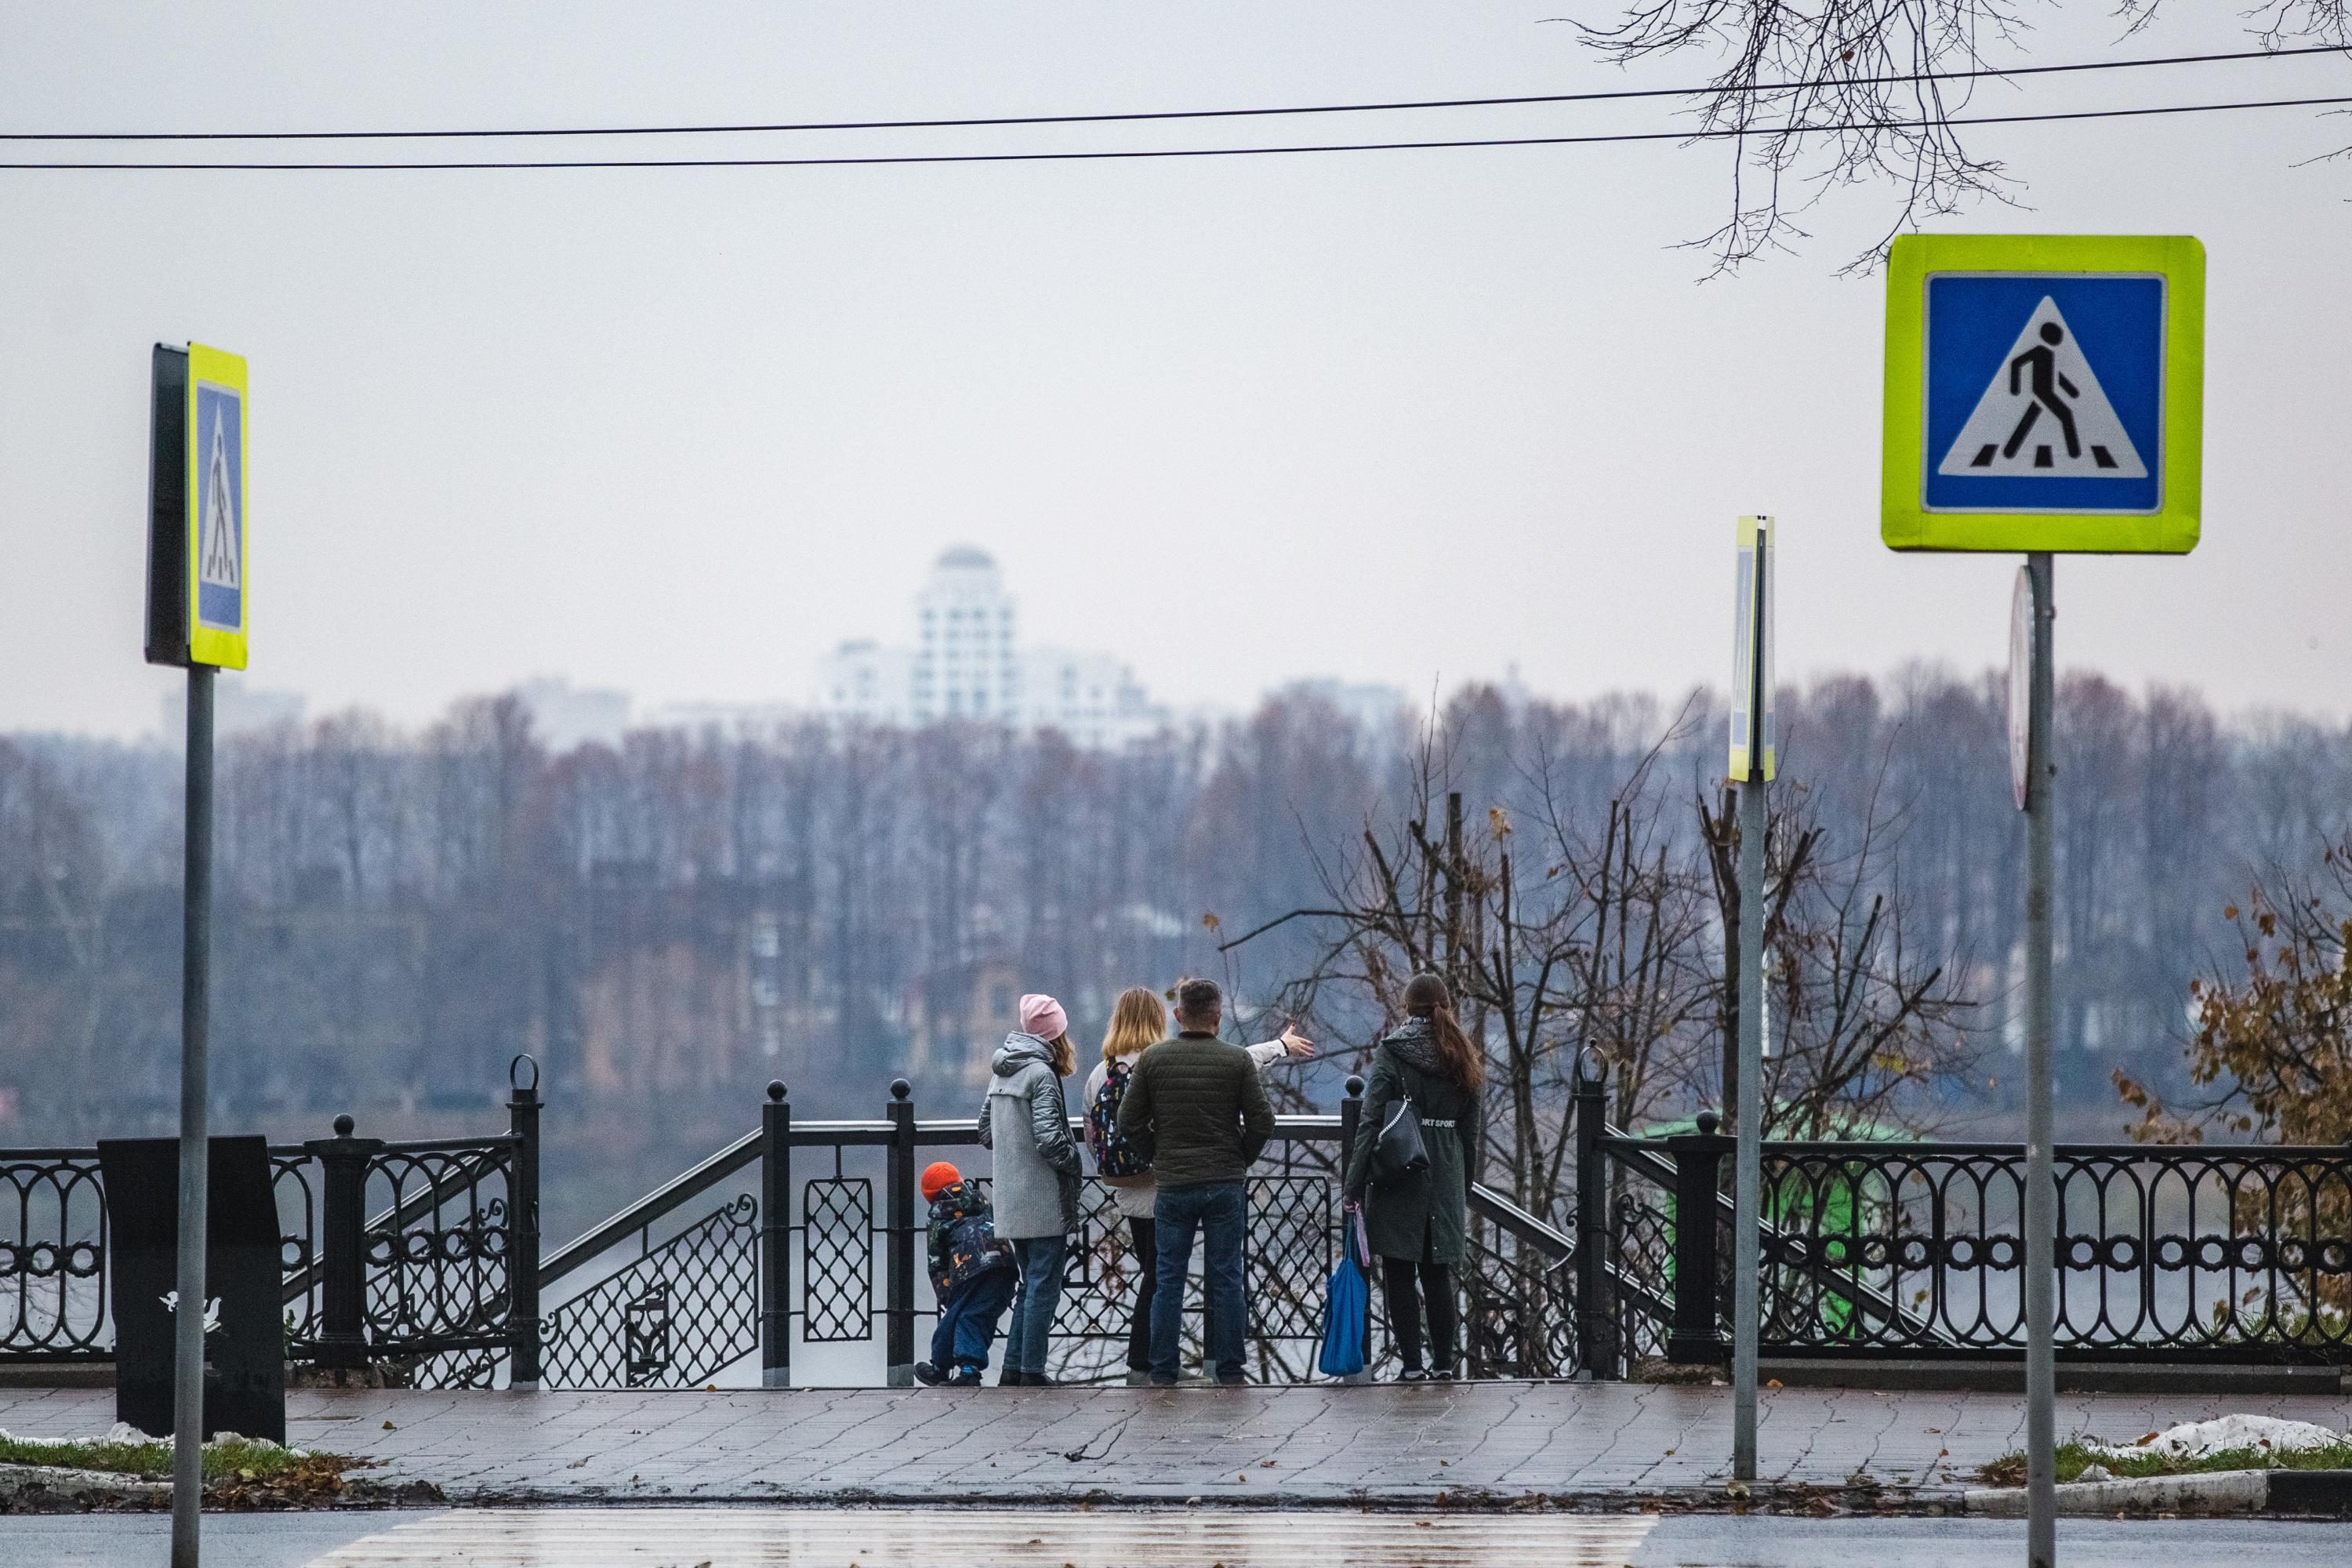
[{"x": 2043, "y": 392}]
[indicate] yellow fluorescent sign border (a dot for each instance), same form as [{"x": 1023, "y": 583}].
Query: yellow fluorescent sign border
[
  {"x": 1906, "y": 524},
  {"x": 1754, "y": 537},
  {"x": 210, "y": 645}
]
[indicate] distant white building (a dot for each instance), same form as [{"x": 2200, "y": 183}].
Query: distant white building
[
  {"x": 1092, "y": 698},
  {"x": 968, "y": 663},
  {"x": 867, "y": 683},
  {"x": 1378, "y": 713},
  {"x": 565, "y": 716},
  {"x": 964, "y": 666},
  {"x": 238, "y": 709}
]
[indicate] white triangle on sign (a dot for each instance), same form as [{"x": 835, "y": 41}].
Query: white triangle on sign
[
  {"x": 217, "y": 563},
  {"x": 2044, "y": 416}
]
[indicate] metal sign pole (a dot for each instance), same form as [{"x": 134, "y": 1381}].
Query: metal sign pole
[
  {"x": 1748, "y": 1125},
  {"x": 196, "y": 998},
  {"x": 1748, "y": 1181},
  {"x": 2041, "y": 1218}
]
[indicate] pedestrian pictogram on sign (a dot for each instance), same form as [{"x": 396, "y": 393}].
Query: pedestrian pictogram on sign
[
  {"x": 220, "y": 538},
  {"x": 2044, "y": 413}
]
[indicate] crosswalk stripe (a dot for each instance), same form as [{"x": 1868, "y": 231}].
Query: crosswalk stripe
[{"x": 990, "y": 1538}]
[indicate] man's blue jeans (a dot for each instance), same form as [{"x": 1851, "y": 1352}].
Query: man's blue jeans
[
  {"x": 968, "y": 1319},
  {"x": 1220, "y": 1211},
  {"x": 1040, "y": 1257}
]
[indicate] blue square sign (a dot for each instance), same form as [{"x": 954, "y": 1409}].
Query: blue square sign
[
  {"x": 219, "y": 446},
  {"x": 2044, "y": 393}
]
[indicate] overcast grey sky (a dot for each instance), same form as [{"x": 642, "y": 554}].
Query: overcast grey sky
[{"x": 1405, "y": 416}]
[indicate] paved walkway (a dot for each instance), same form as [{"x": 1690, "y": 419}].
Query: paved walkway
[{"x": 1416, "y": 1444}]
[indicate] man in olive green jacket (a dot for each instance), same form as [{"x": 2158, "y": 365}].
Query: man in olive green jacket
[{"x": 1195, "y": 1107}]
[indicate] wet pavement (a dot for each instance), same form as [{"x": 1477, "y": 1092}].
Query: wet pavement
[
  {"x": 1460, "y": 1443},
  {"x": 768, "y": 1537}
]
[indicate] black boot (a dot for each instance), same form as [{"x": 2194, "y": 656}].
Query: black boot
[{"x": 1012, "y": 1377}]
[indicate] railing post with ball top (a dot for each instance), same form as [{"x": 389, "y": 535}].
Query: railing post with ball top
[
  {"x": 1695, "y": 1338},
  {"x": 343, "y": 1244},
  {"x": 899, "y": 1264},
  {"x": 776, "y": 1239},
  {"x": 1352, "y": 1117},
  {"x": 1596, "y": 1311},
  {"x": 522, "y": 1246}
]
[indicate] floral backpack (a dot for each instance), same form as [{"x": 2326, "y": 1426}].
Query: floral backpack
[{"x": 1115, "y": 1157}]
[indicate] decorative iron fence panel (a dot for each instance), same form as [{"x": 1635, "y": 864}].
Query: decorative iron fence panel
[
  {"x": 291, "y": 1181},
  {"x": 2167, "y": 1253},
  {"x": 439, "y": 1282},
  {"x": 675, "y": 1318},
  {"x": 1522, "y": 1308},
  {"x": 837, "y": 1260},
  {"x": 53, "y": 1256}
]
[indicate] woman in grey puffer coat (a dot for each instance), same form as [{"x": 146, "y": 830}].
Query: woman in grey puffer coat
[{"x": 1036, "y": 1179}]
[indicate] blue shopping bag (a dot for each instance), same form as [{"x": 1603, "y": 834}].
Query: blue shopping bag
[{"x": 1346, "y": 1306}]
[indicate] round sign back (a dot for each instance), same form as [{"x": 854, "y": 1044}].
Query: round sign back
[{"x": 2021, "y": 681}]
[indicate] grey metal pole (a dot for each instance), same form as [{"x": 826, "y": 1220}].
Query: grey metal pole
[
  {"x": 1748, "y": 1125},
  {"x": 1747, "y": 1187},
  {"x": 195, "y": 1005},
  {"x": 2041, "y": 1218}
]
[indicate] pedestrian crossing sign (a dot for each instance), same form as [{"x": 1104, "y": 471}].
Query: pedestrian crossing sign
[
  {"x": 2043, "y": 392},
  {"x": 199, "y": 597}
]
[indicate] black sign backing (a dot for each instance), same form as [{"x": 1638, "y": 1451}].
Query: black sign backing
[{"x": 245, "y": 1357}]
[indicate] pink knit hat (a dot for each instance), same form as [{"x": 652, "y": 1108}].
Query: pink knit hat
[{"x": 1042, "y": 1016}]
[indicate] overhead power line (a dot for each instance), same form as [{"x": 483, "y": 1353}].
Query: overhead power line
[
  {"x": 1706, "y": 134},
  {"x": 1015, "y": 120}
]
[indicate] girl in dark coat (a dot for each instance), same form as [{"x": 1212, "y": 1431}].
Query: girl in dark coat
[{"x": 1419, "y": 1222}]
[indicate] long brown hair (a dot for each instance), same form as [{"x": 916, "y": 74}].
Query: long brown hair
[
  {"x": 1426, "y": 997},
  {"x": 1137, "y": 1020}
]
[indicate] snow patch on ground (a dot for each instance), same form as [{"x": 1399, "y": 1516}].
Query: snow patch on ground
[
  {"x": 2195, "y": 1439},
  {"x": 122, "y": 1432}
]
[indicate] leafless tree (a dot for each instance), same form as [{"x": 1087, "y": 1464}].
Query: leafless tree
[{"x": 1810, "y": 99}]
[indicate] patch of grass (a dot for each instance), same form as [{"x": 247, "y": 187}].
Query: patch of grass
[
  {"x": 2073, "y": 1458},
  {"x": 223, "y": 1462}
]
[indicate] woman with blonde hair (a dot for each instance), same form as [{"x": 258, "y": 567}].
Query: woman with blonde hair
[{"x": 1139, "y": 1021}]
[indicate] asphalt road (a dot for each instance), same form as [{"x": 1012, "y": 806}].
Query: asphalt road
[{"x": 738, "y": 1538}]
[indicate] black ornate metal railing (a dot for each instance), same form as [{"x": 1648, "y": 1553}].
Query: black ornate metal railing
[
  {"x": 2163, "y": 1252},
  {"x": 53, "y": 1241},
  {"x": 421, "y": 1260},
  {"x": 677, "y": 1315},
  {"x": 395, "y": 1255}
]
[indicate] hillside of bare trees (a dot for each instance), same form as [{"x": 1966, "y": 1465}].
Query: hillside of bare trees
[{"x": 668, "y": 924}]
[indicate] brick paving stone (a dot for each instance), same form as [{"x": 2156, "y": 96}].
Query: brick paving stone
[{"x": 1326, "y": 1443}]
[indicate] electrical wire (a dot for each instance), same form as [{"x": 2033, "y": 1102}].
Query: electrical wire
[
  {"x": 1407, "y": 104},
  {"x": 1703, "y": 134}
]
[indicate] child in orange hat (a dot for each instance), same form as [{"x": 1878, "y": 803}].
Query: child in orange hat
[{"x": 972, "y": 1274}]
